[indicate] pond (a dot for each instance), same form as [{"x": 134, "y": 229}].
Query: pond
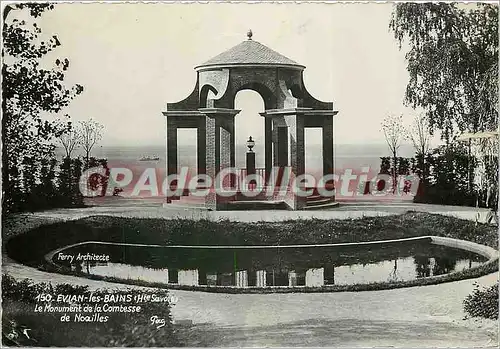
[{"x": 270, "y": 266}]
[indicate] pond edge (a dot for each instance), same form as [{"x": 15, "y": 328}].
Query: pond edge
[{"x": 490, "y": 266}]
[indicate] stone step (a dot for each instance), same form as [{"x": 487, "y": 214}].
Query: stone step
[
  {"x": 326, "y": 206},
  {"x": 185, "y": 206},
  {"x": 257, "y": 205},
  {"x": 319, "y": 202}
]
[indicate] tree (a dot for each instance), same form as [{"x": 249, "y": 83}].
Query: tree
[
  {"x": 29, "y": 91},
  {"x": 452, "y": 63},
  {"x": 419, "y": 135},
  {"x": 394, "y": 132},
  {"x": 70, "y": 140},
  {"x": 90, "y": 134}
]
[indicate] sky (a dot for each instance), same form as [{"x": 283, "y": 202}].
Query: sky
[{"x": 133, "y": 59}]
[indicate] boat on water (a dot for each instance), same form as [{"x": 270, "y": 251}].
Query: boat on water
[{"x": 149, "y": 158}]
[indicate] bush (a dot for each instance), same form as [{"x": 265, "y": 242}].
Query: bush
[
  {"x": 482, "y": 302},
  {"x": 122, "y": 329}
]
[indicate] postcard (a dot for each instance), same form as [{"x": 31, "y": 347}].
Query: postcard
[{"x": 238, "y": 174}]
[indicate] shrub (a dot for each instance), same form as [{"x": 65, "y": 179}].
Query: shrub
[
  {"x": 122, "y": 329},
  {"x": 482, "y": 302}
]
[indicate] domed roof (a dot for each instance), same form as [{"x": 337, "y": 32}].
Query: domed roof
[{"x": 250, "y": 52}]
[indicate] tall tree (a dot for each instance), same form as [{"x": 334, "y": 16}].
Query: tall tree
[
  {"x": 394, "y": 132},
  {"x": 70, "y": 140},
  {"x": 419, "y": 135},
  {"x": 29, "y": 91},
  {"x": 452, "y": 63},
  {"x": 90, "y": 134}
]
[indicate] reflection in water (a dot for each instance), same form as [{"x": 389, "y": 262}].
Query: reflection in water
[
  {"x": 443, "y": 265},
  {"x": 306, "y": 266},
  {"x": 422, "y": 266}
]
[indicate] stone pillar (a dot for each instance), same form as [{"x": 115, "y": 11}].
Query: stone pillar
[
  {"x": 328, "y": 165},
  {"x": 297, "y": 154},
  {"x": 233, "y": 150},
  {"x": 232, "y": 140},
  {"x": 217, "y": 145},
  {"x": 268, "y": 147},
  {"x": 250, "y": 165},
  {"x": 210, "y": 148},
  {"x": 171, "y": 146},
  {"x": 202, "y": 145},
  {"x": 261, "y": 278},
  {"x": 281, "y": 149},
  {"x": 225, "y": 155},
  {"x": 297, "y": 146}
]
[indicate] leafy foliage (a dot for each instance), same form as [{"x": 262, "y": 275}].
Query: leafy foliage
[
  {"x": 482, "y": 302},
  {"x": 68, "y": 183},
  {"x": 30, "y": 91},
  {"x": 452, "y": 62},
  {"x": 447, "y": 180}
]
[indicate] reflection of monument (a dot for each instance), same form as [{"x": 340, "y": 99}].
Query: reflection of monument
[{"x": 289, "y": 109}]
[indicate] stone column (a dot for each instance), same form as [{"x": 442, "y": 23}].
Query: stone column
[
  {"x": 297, "y": 153},
  {"x": 217, "y": 144},
  {"x": 202, "y": 145},
  {"x": 171, "y": 146},
  {"x": 233, "y": 149},
  {"x": 210, "y": 149},
  {"x": 268, "y": 147},
  {"x": 233, "y": 144},
  {"x": 328, "y": 165}
]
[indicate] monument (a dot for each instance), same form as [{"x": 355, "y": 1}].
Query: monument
[{"x": 289, "y": 109}]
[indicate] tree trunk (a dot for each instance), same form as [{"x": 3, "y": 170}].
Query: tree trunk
[{"x": 394, "y": 184}]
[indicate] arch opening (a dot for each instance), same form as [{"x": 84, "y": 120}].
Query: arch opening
[
  {"x": 206, "y": 96},
  {"x": 267, "y": 96},
  {"x": 248, "y": 123}
]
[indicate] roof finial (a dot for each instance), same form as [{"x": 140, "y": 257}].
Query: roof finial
[{"x": 249, "y": 34}]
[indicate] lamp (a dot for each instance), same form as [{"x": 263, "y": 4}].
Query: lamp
[{"x": 250, "y": 144}]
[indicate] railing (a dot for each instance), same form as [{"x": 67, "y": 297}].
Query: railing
[{"x": 259, "y": 183}]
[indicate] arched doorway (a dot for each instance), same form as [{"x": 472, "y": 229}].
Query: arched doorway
[{"x": 248, "y": 122}]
